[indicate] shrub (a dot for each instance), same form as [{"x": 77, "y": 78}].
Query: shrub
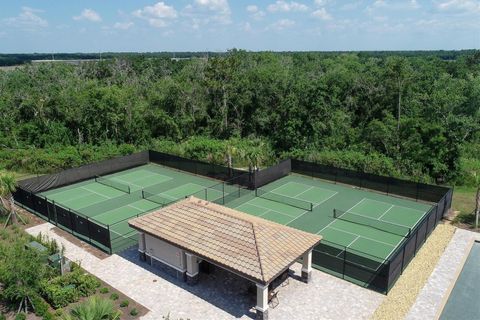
[
  {"x": 133, "y": 312},
  {"x": 114, "y": 296},
  {"x": 124, "y": 303},
  {"x": 104, "y": 290},
  {"x": 2, "y": 317},
  {"x": 62, "y": 290},
  {"x": 21, "y": 316},
  {"x": 40, "y": 305},
  {"x": 59, "y": 296},
  {"x": 95, "y": 308}
]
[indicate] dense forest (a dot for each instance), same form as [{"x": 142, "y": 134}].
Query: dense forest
[{"x": 407, "y": 115}]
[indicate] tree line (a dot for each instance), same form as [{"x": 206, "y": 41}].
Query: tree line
[{"x": 410, "y": 115}]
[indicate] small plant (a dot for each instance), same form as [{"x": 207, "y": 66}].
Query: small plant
[
  {"x": 4, "y": 235},
  {"x": 59, "y": 312},
  {"x": 104, "y": 290},
  {"x": 95, "y": 308},
  {"x": 114, "y": 296},
  {"x": 21, "y": 316},
  {"x": 124, "y": 303},
  {"x": 134, "y": 312},
  {"x": 2, "y": 317}
]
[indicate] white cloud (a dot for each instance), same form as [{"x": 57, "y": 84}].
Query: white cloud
[
  {"x": 247, "y": 27},
  {"x": 88, "y": 14},
  {"x": 321, "y": 3},
  {"x": 255, "y": 12},
  {"x": 157, "y": 15},
  {"x": 252, "y": 8},
  {"x": 123, "y": 25},
  {"x": 281, "y": 24},
  {"x": 283, "y": 6},
  {"x": 203, "y": 12},
  {"x": 322, "y": 14},
  {"x": 459, "y": 5},
  {"x": 28, "y": 19}
]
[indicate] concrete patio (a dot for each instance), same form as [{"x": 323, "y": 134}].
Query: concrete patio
[{"x": 220, "y": 295}]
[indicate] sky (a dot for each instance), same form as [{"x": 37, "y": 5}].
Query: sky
[{"x": 218, "y": 25}]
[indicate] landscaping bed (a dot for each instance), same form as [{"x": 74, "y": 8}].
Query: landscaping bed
[{"x": 27, "y": 279}]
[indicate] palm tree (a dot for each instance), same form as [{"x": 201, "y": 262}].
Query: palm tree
[
  {"x": 8, "y": 186},
  {"x": 95, "y": 308},
  {"x": 230, "y": 152}
]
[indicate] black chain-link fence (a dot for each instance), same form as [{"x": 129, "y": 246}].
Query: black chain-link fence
[{"x": 111, "y": 238}]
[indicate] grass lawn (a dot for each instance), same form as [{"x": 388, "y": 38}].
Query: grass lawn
[{"x": 464, "y": 202}]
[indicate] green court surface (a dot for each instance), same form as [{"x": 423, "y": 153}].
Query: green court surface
[
  {"x": 369, "y": 224},
  {"x": 114, "y": 199},
  {"x": 462, "y": 302}
]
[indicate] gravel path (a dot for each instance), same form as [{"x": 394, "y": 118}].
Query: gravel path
[
  {"x": 432, "y": 296},
  {"x": 404, "y": 294}
]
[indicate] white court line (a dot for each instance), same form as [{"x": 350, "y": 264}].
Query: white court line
[
  {"x": 354, "y": 234},
  {"x": 302, "y": 192},
  {"x": 256, "y": 205},
  {"x": 123, "y": 181},
  {"x": 319, "y": 203},
  {"x": 85, "y": 188},
  {"x": 73, "y": 198},
  {"x": 396, "y": 205},
  {"x": 380, "y": 218},
  {"x": 141, "y": 210},
  {"x": 328, "y": 225},
  {"x": 348, "y": 245}
]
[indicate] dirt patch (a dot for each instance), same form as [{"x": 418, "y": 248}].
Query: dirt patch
[{"x": 404, "y": 294}]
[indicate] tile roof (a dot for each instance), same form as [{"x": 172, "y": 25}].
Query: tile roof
[{"x": 253, "y": 247}]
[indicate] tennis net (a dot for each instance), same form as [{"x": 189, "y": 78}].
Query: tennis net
[
  {"x": 156, "y": 198},
  {"x": 385, "y": 226},
  {"x": 294, "y": 202},
  {"x": 112, "y": 183}
]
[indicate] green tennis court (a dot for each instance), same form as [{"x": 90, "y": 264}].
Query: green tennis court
[
  {"x": 369, "y": 224},
  {"x": 113, "y": 199}
]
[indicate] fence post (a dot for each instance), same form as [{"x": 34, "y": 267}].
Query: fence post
[
  {"x": 416, "y": 195},
  {"x": 109, "y": 239},
  {"x": 403, "y": 258},
  {"x": 71, "y": 223},
  {"x": 48, "y": 209},
  {"x": 344, "y": 261},
  {"x": 88, "y": 229}
]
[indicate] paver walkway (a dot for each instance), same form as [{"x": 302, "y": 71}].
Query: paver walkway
[
  {"x": 220, "y": 296},
  {"x": 431, "y": 297}
]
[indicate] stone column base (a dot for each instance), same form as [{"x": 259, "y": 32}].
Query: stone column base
[
  {"x": 192, "y": 280},
  {"x": 306, "y": 276},
  {"x": 261, "y": 315}
]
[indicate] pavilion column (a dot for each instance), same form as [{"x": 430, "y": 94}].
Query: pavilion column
[
  {"x": 141, "y": 247},
  {"x": 192, "y": 268},
  {"x": 307, "y": 266},
  {"x": 262, "y": 302}
]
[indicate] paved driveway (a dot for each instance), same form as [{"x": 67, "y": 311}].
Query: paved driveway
[{"x": 220, "y": 295}]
